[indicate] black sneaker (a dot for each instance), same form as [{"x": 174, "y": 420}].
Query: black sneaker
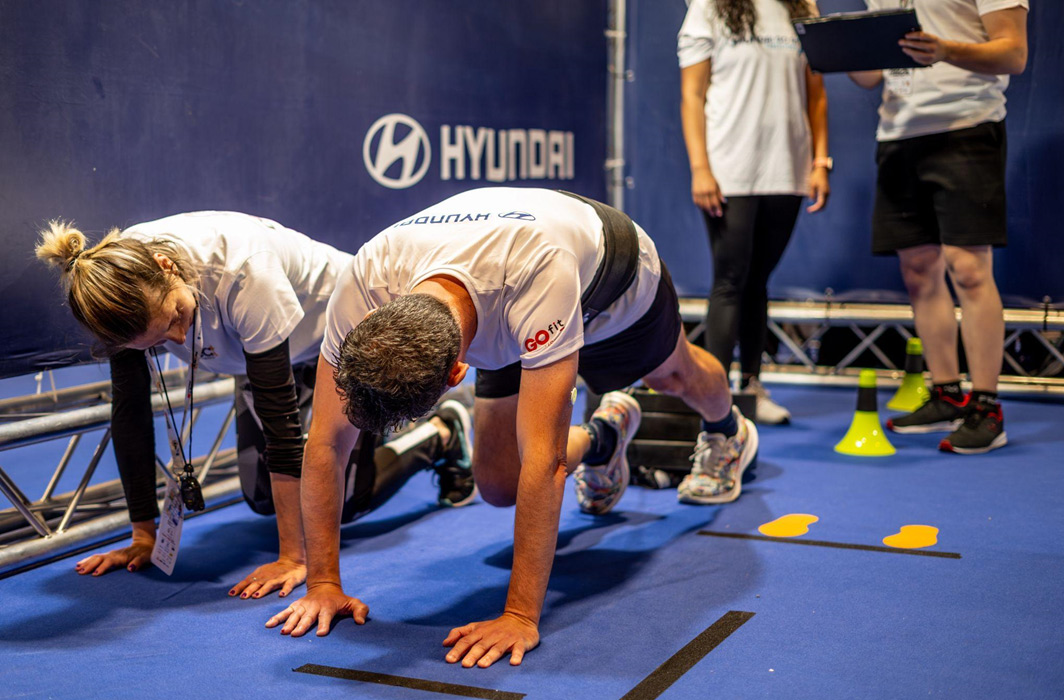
[
  {"x": 940, "y": 413},
  {"x": 455, "y": 468},
  {"x": 983, "y": 430}
]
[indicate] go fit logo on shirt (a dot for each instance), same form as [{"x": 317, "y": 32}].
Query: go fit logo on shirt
[{"x": 544, "y": 338}]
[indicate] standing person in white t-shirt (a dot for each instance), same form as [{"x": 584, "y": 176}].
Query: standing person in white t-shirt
[
  {"x": 248, "y": 296},
  {"x": 508, "y": 280},
  {"x": 940, "y": 200},
  {"x": 755, "y": 124}
]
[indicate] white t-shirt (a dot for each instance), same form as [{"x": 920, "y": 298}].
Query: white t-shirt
[
  {"x": 944, "y": 97},
  {"x": 259, "y": 283},
  {"x": 757, "y": 125},
  {"x": 524, "y": 256}
]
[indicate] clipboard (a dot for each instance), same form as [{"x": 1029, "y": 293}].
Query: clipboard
[{"x": 855, "y": 41}]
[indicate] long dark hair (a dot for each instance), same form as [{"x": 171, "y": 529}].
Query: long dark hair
[{"x": 740, "y": 16}]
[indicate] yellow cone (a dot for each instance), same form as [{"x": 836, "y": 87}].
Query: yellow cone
[
  {"x": 912, "y": 393},
  {"x": 865, "y": 438}
]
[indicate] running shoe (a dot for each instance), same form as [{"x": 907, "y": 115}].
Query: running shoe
[
  {"x": 599, "y": 488},
  {"x": 939, "y": 413},
  {"x": 719, "y": 463},
  {"x": 983, "y": 430},
  {"x": 455, "y": 467},
  {"x": 767, "y": 411}
]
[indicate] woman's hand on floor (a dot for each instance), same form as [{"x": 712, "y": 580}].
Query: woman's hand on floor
[{"x": 284, "y": 574}]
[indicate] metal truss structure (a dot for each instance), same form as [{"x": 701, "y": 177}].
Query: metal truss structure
[
  {"x": 800, "y": 328},
  {"x": 35, "y": 527}
]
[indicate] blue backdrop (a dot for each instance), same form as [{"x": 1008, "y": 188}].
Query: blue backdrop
[
  {"x": 831, "y": 248},
  {"x": 335, "y": 117}
]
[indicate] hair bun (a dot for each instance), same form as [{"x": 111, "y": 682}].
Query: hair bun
[{"x": 60, "y": 245}]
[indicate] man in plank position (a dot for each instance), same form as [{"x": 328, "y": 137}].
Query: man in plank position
[{"x": 531, "y": 287}]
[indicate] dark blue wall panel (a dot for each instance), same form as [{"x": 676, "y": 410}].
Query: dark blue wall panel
[
  {"x": 831, "y": 248},
  {"x": 122, "y": 111}
]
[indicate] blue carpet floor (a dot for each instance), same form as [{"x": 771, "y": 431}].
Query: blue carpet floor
[{"x": 627, "y": 593}]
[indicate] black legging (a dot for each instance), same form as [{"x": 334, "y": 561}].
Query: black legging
[
  {"x": 374, "y": 473},
  {"x": 747, "y": 243}
]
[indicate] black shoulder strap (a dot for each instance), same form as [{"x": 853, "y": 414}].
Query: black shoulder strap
[{"x": 619, "y": 262}]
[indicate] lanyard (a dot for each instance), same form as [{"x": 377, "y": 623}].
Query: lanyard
[{"x": 181, "y": 469}]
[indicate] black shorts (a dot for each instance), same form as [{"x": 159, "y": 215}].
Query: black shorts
[
  {"x": 615, "y": 362},
  {"x": 946, "y": 188}
]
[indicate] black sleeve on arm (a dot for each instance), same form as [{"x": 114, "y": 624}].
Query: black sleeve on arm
[
  {"x": 133, "y": 432},
  {"x": 273, "y": 391}
]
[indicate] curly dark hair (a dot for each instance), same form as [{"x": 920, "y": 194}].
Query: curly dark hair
[
  {"x": 395, "y": 364},
  {"x": 740, "y": 16}
]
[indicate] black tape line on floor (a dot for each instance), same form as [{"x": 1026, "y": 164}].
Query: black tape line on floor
[
  {"x": 110, "y": 540},
  {"x": 350, "y": 674},
  {"x": 837, "y": 545},
  {"x": 684, "y": 660}
]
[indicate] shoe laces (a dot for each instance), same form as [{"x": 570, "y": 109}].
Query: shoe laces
[
  {"x": 977, "y": 414},
  {"x": 709, "y": 450},
  {"x": 616, "y": 415}
]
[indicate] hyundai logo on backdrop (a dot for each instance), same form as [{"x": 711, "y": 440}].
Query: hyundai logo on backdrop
[
  {"x": 465, "y": 152},
  {"x": 381, "y": 150}
]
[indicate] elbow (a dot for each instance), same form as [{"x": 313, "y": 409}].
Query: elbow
[{"x": 1018, "y": 62}]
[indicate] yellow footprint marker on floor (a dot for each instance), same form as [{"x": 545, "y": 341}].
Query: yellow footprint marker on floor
[
  {"x": 913, "y": 537},
  {"x": 791, "y": 525}
]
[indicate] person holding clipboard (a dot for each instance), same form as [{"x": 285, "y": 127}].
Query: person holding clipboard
[
  {"x": 940, "y": 200},
  {"x": 755, "y": 124}
]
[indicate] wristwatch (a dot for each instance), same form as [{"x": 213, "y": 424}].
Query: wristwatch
[{"x": 826, "y": 162}]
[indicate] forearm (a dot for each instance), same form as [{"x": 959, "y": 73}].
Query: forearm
[
  {"x": 994, "y": 57},
  {"x": 320, "y": 497},
  {"x": 539, "y": 502},
  {"x": 276, "y": 403},
  {"x": 289, "y": 523},
  {"x": 693, "y": 120},
  {"x": 133, "y": 433},
  {"x": 694, "y": 89},
  {"x": 817, "y": 105},
  {"x": 867, "y": 79}
]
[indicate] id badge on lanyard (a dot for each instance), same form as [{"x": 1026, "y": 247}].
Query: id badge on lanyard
[
  {"x": 182, "y": 487},
  {"x": 899, "y": 81}
]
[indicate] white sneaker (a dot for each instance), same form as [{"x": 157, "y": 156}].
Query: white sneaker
[
  {"x": 719, "y": 463},
  {"x": 768, "y": 411},
  {"x": 599, "y": 488}
]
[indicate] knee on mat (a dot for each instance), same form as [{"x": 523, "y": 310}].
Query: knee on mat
[
  {"x": 497, "y": 495},
  {"x": 671, "y": 383}
]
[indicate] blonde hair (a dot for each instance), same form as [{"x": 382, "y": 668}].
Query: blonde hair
[{"x": 113, "y": 287}]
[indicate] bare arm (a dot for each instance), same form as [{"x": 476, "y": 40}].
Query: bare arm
[
  {"x": 867, "y": 78},
  {"x": 1004, "y": 52},
  {"x": 544, "y": 409},
  {"x": 817, "y": 106},
  {"x": 329, "y": 446},
  {"x": 543, "y": 412},
  {"x": 694, "y": 81}
]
